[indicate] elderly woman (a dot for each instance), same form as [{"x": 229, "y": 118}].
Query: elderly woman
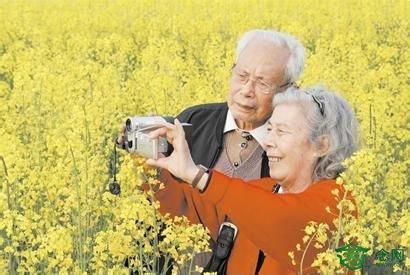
[{"x": 311, "y": 132}]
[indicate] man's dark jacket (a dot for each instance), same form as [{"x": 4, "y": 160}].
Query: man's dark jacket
[{"x": 205, "y": 137}]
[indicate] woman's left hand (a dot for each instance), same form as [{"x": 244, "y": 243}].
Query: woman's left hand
[{"x": 180, "y": 162}]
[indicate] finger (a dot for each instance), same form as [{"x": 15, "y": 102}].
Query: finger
[
  {"x": 119, "y": 142},
  {"x": 179, "y": 128},
  {"x": 121, "y": 129},
  {"x": 168, "y": 125},
  {"x": 160, "y": 132},
  {"x": 168, "y": 130},
  {"x": 157, "y": 163}
]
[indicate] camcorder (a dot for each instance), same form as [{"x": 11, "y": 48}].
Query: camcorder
[{"x": 136, "y": 135}]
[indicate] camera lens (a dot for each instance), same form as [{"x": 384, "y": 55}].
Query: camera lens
[{"x": 128, "y": 124}]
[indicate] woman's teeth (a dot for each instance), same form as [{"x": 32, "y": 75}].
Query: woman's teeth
[{"x": 274, "y": 159}]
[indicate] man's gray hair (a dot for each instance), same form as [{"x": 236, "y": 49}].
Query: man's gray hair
[
  {"x": 327, "y": 114},
  {"x": 294, "y": 66}
]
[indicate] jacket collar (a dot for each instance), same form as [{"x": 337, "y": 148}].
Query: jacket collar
[{"x": 219, "y": 126}]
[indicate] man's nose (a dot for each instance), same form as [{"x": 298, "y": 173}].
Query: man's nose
[{"x": 248, "y": 89}]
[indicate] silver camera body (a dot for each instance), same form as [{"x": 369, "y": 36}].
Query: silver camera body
[{"x": 137, "y": 140}]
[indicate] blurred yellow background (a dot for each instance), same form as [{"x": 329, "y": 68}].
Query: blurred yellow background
[{"x": 72, "y": 71}]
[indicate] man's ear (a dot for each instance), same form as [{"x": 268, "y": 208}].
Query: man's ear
[{"x": 323, "y": 146}]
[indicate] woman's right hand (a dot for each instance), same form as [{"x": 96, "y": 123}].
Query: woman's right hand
[{"x": 180, "y": 162}]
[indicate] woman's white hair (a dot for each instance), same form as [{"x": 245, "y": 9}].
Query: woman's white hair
[
  {"x": 294, "y": 66},
  {"x": 327, "y": 114}
]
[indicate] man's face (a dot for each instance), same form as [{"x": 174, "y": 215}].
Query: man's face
[{"x": 256, "y": 76}]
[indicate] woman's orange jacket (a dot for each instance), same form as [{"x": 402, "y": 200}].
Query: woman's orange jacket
[{"x": 273, "y": 223}]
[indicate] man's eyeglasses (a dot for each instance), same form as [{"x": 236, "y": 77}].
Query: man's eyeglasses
[{"x": 261, "y": 86}]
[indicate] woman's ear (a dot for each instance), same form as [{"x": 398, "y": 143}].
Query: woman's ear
[{"x": 323, "y": 146}]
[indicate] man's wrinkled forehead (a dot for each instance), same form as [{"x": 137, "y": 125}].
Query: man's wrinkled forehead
[
  {"x": 263, "y": 58},
  {"x": 266, "y": 48}
]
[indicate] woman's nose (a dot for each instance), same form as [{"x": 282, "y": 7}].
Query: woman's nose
[{"x": 269, "y": 141}]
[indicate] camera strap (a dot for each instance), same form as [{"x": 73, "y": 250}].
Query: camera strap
[{"x": 114, "y": 186}]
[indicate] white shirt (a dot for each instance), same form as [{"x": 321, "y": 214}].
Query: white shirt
[{"x": 258, "y": 133}]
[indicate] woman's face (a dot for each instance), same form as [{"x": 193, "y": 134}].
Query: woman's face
[{"x": 291, "y": 155}]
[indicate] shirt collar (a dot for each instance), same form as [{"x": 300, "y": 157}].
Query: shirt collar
[{"x": 258, "y": 133}]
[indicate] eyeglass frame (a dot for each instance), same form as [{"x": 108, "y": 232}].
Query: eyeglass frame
[
  {"x": 270, "y": 87},
  {"x": 319, "y": 104}
]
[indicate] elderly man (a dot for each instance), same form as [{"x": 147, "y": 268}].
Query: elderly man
[{"x": 228, "y": 136}]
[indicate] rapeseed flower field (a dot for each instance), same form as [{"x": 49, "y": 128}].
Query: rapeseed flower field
[{"x": 71, "y": 71}]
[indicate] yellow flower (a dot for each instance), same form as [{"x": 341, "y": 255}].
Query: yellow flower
[{"x": 71, "y": 73}]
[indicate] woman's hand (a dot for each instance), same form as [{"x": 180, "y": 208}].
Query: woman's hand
[
  {"x": 180, "y": 162},
  {"x": 119, "y": 140}
]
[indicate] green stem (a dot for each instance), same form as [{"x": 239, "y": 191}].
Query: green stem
[
  {"x": 370, "y": 118},
  {"x": 155, "y": 262},
  {"x": 13, "y": 262},
  {"x": 87, "y": 146},
  {"x": 191, "y": 262},
  {"x": 166, "y": 267},
  {"x": 340, "y": 224},
  {"x": 304, "y": 253},
  {"x": 374, "y": 134},
  {"x": 77, "y": 180},
  {"x": 140, "y": 266},
  {"x": 7, "y": 182}
]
